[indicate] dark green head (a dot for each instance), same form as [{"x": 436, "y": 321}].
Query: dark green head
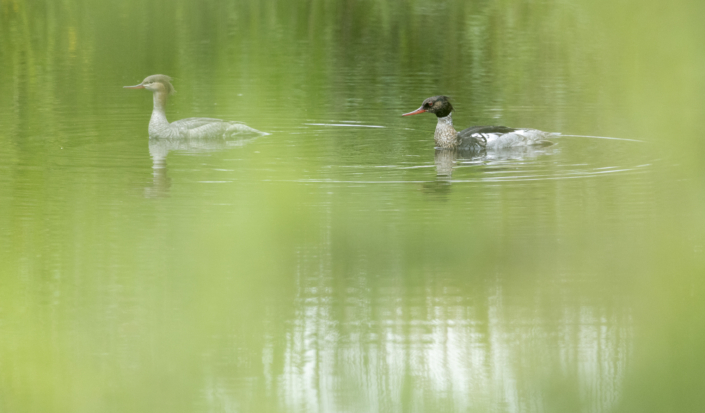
[{"x": 438, "y": 105}]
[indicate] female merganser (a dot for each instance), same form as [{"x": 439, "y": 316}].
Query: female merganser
[
  {"x": 475, "y": 138},
  {"x": 159, "y": 127}
]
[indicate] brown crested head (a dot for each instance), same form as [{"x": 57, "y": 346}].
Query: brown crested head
[
  {"x": 163, "y": 79},
  {"x": 156, "y": 83}
]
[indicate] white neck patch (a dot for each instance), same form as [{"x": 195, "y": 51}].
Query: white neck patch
[{"x": 447, "y": 120}]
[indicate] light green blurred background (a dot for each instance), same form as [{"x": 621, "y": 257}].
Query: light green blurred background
[{"x": 328, "y": 268}]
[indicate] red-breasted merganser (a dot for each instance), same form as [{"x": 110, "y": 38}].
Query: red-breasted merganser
[
  {"x": 476, "y": 138},
  {"x": 159, "y": 127}
]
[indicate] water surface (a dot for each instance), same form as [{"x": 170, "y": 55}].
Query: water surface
[{"x": 340, "y": 263}]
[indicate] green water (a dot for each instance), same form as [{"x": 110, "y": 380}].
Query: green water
[{"x": 340, "y": 264}]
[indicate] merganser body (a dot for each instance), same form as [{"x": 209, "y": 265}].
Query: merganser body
[
  {"x": 475, "y": 138},
  {"x": 190, "y": 128}
]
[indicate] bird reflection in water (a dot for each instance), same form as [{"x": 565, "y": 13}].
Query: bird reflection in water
[
  {"x": 483, "y": 161},
  {"x": 445, "y": 159},
  {"x": 159, "y": 148}
]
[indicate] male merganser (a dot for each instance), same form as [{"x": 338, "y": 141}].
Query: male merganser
[
  {"x": 475, "y": 138},
  {"x": 159, "y": 127}
]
